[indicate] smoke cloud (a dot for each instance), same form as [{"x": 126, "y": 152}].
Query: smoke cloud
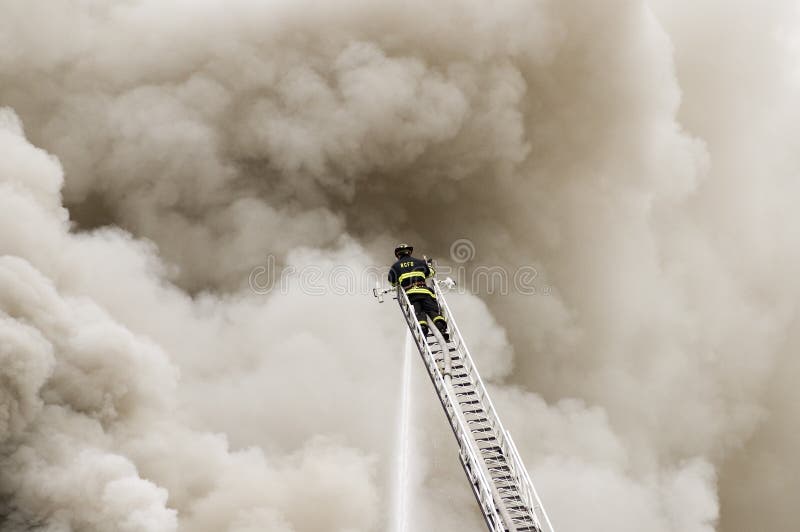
[{"x": 642, "y": 156}]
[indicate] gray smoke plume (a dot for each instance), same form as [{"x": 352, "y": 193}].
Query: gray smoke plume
[{"x": 641, "y": 155}]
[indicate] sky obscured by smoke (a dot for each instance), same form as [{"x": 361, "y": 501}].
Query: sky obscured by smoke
[{"x": 643, "y": 156}]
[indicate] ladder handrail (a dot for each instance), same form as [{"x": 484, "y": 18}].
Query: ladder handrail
[
  {"x": 500, "y": 482},
  {"x": 484, "y": 494},
  {"x": 529, "y": 485},
  {"x": 531, "y": 497}
]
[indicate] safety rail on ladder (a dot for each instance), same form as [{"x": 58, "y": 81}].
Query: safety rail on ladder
[
  {"x": 481, "y": 486},
  {"x": 530, "y": 512},
  {"x": 490, "y": 459}
]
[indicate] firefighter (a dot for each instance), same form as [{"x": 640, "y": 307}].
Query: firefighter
[{"x": 410, "y": 273}]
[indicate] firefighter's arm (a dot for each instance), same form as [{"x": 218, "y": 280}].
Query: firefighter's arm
[
  {"x": 392, "y": 277},
  {"x": 430, "y": 271}
]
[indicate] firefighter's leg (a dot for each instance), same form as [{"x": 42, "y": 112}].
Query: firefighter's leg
[
  {"x": 433, "y": 310},
  {"x": 419, "y": 310}
]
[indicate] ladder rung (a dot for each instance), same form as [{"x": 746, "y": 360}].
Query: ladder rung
[{"x": 498, "y": 456}]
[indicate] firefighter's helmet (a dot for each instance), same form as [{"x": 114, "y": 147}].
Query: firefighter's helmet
[{"x": 402, "y": 250}]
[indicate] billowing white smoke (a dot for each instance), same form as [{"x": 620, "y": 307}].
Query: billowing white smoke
[
  {"x": 93, "y": 432},
  {"x": 641, "y": 155}
]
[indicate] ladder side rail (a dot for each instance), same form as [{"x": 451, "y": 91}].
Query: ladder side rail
[
  {"x": 481, "y": 485},
  {"x": 469, "y": 442},
  {"x": 438, "y": 382},
  {"x": 541, "y": 513},
  {"x": 469, "y": 363},
  {"x": 492, "y": 416},
  {"x": 428, "y": 359},
  {"x": 491, "y": 522},
  {"x": 523, "y": 481},
  {"x": 477, "y": 480},
  {"x": 467, "y": 357}
]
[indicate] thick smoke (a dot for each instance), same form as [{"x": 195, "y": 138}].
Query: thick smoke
[{"x": 641, "y": 155}]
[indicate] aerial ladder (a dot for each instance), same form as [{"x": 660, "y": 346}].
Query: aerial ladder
[{"x": 494, "y": 468}]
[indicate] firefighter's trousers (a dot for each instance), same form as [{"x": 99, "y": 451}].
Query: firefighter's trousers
[{"x": 425, "y": 304}]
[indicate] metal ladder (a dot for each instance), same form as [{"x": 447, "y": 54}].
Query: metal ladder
[{"x": 490, "y": 459}]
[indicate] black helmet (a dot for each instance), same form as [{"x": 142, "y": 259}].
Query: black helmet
[{"x": 402, "y": 250}]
